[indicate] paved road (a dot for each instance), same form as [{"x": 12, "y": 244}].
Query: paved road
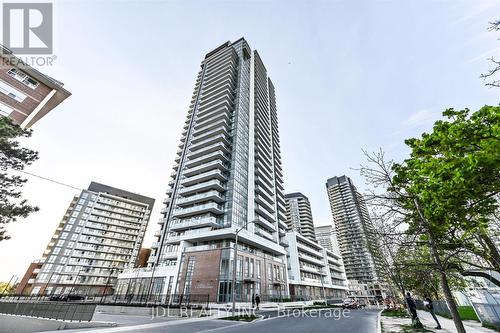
[{"x": 357, "y": 321}]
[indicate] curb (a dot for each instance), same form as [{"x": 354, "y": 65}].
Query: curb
[{"x": 379, "y": 322}]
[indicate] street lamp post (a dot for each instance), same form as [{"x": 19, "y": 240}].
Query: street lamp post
[
  {"x": 107, "y": 282},
  {"x": 74, "y": 283},
  {"x": 323, "y": 287},
  {"x": 47, "y": 284},
  {"x": 235, "y": 262}
]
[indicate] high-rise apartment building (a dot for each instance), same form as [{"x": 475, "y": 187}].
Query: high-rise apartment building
[
  {"x": 227, "y": 178},
  {"x": 26, "y": 95},
  {"x": 327, "y": 237},
  {"x": 354, "y": 229},
  {"x": 99, "y": 236},
  {"x": 298, "y": 214}
]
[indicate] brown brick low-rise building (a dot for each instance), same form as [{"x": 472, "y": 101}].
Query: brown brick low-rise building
[
  {"x": 26, "y": 95},
  {"x": 26, "y": 285}
]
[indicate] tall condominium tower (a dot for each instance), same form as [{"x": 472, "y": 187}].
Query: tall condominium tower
[
  {"x": 354, "y": 230},
  {"x": 227, "y": 179},
  {"x": 327, "y": 237},
  {"x": 26, "y": 95},
  {"x": 99, "y": 236},
  {"x": 298, "y": 214}
]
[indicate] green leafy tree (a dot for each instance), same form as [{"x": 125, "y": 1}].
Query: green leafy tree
[
  {"x": 446, "y": 196},
  {"x": 458, "y": 167},
  {"x": 13, "y": 157},
  {"x": 449, "y": 183}
]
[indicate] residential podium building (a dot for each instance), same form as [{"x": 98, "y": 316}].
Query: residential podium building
[
  {"x": 26, "y": 95},
  {"x": 314, "y": 272},
  {"x": 298, "y": 214},
  {"x": 354, "y": 230},
  {"x": 98, "y": 237},
  {"x": 227, "y": 179}
]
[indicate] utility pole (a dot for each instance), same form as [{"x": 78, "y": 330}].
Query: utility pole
[{"x": 8, "y": 284}]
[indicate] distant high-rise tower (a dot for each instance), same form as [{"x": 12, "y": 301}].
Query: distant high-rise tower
[
  {"x": 227, "y": 177},
  {"x": 327, "y": 237},
  {"x": 298, "y": 215},
  {"x": 354, "y": 230},
  {"x": 99, "y": 236}
]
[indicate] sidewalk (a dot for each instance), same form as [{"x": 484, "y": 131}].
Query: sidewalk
[
  {"x": 394, "y": 324},
  {"x": 448, "y": 325}
]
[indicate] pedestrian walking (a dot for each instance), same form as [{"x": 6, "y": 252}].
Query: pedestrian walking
[
  {"x": 253, "y": 300},
  {"x": 428, "y": 304},
  {"x": 257, "y": 300},
  {"x": 412, "y": 307}
]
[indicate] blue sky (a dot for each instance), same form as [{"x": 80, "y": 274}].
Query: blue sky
[{"x": 348, "y": 75}]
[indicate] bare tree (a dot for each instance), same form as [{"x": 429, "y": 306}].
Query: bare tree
[{"x": 494, "y": 27}]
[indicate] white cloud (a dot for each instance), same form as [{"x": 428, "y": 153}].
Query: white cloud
[
  {"x": 419, "y": 118},
  {"x": 483, "y": 56}
]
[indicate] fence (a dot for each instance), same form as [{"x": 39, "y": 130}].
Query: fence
[
  {"x": 172, "y": 300},
  {"x": 51, "y": 310},
  {"x": 440, "y": 307},
  {"x": 489, "y": 313}
]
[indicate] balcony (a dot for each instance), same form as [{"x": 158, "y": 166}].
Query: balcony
[
  {"x": 210, "y": 126},
  {"x": 218, "y": 155},
  {"x": 209, "y": 103},
  {"x": 209, "y": 141},
  {"x": 216, "y": 116},
  {"x": 199, "y": 221},
  {"x": 162, "y": 220},
  {"x": 212, "y": 184},
  {"x": 155, "y": 245},
  {"x": 211, "y": 207},
  {"x": 306, "y": 268},
  {"x": 219, "y": 146},
  {"x": 311, "y": 259},
  {"x": 217, "y": 164},
  {"x": 265, "y": 224},
  {"x": 204, "y": 115},
  {"x": 284, "y": 242},
  {"x": 213, "y": 174},
  {"x": 169, "y": 255},
  {"x": 210, "y": 195},
  {"x": 158, "y": 233},
  {"x": 262, "y": 211},
  {"x": 308, "y": 249},
  {"x": 200, "y": 137},
  {"x": 265, "y": 201},
  {"x": 263, "y": 233}
]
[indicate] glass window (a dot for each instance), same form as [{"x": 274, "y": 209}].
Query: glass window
[
  {"x": 12, "y": 92},
  {"x": 5, "y": 110}
]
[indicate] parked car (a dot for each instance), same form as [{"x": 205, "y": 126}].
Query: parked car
[
  {"x": 67, "y": 297},
  {"x": 350, "y": 304}
]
